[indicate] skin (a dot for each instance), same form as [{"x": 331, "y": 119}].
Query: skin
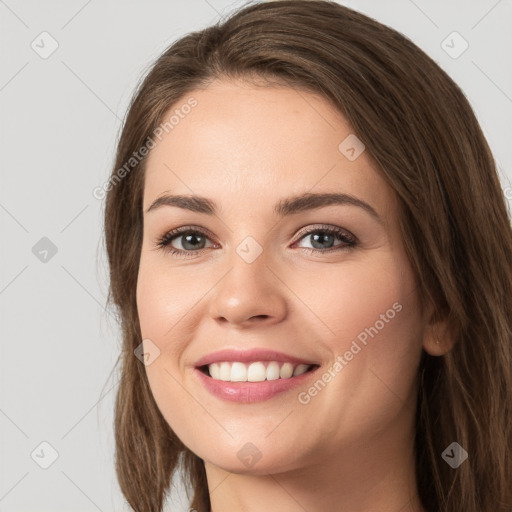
[{"x": 350, "y": 448}]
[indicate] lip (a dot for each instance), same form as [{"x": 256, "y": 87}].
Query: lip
[
  {"x": 250, "y": 392},
  {"x": 249, "y": 356}
]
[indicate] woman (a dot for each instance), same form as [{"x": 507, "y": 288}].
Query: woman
[{"x": 279, "y": 373}]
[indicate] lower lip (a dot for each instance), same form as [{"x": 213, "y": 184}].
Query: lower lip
[{"x": 250, "y": 392}]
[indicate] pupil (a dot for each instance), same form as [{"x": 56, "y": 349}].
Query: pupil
[
  {"x": 325, "y": 236},
  {"x": 187, "y": 241}
]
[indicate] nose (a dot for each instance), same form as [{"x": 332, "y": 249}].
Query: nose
[{"x": 249, "y": 294}]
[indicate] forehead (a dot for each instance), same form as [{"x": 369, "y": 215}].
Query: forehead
[{"x": 246, "y": 143}]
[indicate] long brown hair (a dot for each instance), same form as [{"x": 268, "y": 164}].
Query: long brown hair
[{"x": 420, "y": 129}]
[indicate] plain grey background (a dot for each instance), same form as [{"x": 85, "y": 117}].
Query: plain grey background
[{"x": 61, "y": 114}]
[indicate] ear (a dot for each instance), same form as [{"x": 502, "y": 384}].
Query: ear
[{"x": 438, "y": 337}]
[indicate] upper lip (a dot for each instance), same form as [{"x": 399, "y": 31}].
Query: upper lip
[{"x": 249, "y": 356}]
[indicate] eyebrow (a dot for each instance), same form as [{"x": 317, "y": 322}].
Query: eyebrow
[{"x": 287, "y": 206}]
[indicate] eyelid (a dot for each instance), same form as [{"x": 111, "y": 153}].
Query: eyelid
[{"x": 311, "y": 228}]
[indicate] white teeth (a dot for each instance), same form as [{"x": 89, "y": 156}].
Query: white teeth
[
  {"x": 255, "y": 372},
  {"x": 238, "y": 372},
  {"x": 286, "y": 371},
  {"x": 273, "y": 371},
  {"x": 215, "y": 371},
  {"x": 301, "y": 368},
  {"x": 225, "y": 372}
]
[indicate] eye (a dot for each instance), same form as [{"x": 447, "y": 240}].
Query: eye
[
  {"x": 193, "y": 240},
  {"x": 323, "y": 236}
]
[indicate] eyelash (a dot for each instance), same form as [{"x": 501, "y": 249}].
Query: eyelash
[{"x": 349, "y": 240}]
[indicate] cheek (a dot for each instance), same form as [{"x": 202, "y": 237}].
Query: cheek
[
  {"x": 374, "y": 313},
  {"x": 162, "y": 301},
  {"x": 367, "y": 299},
  {"x": 382, "y": 315},
  {"x": 386, "y": 313},
  {"x": 162, "y": 310}
]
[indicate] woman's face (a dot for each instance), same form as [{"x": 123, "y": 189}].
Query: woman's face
[{"x": 270, "y": 282}]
